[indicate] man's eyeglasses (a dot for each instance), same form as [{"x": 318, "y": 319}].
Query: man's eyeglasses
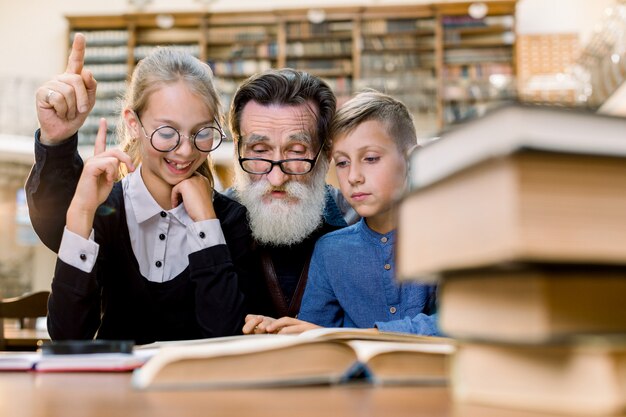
[
  {"x": 293, "y": 166},
  {"x": 166, "y": 138}
]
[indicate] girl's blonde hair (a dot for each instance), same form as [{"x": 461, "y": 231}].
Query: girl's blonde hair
[{"x": 162, "y": 67}]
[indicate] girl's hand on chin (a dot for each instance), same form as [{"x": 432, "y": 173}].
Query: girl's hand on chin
[{"x": 196, "y": 194}]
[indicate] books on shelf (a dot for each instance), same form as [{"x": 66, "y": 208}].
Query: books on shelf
[
  {"x": 478, "y": 55},
  {"x": 403, "y": 42},
  {"x": 239, "y": 67},
  {"x": 170, "y": 36},
  {"x": 323, "y": 66},
  {"x": 476, "y": 72},
  {"x": 583, "y": 377},
  {"x": 339, "y": 48},
  {"x": 532, "y": 303},
  {"x": 232, "y": 34},
  {"x": 522, "y": 184},
  {"x": 143, "y": 50},
  {"x": 328, "y": 356},
  {"x": 471, "y": 40},
  {"x": 106, "y": 54},
  {"x": 103, "y": 37},
  {"x": 413, "y": 26},
  {"x": 304, "y": 29}
]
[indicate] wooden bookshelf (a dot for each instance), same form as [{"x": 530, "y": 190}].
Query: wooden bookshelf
[
  {"x": 322, "y": 42},
  {"x": 444, "y": 66},
  {"x": 398, "y": 56},
  {"x": 477, "y": 63}
]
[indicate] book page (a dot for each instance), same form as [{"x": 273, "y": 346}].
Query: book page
[
  {"x": 156, "y": 345},
  {"x": 392, "y": 363},
  {"x": 16, "y": 361},
  {"x": 92, "y": 362},
  {"x": 346, "y": 333},
  {"x": 367, "y": 349}
]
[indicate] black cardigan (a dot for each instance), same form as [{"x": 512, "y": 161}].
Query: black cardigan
[{"x": 115, "y": 301}]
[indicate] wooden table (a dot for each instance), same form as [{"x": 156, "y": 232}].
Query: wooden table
[{"x": 30, "y": 394}]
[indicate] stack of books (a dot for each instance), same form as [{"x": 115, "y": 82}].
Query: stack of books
[{"x": 520, "y": 217}]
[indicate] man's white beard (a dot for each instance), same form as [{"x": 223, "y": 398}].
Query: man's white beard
[{"x": 283, "y": 221}]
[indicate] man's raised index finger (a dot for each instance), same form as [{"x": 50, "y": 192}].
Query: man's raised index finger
[{"x": 77, "y": 56}]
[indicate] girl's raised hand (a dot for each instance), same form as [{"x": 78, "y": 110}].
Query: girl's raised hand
[{"x": 95, "y": 183}]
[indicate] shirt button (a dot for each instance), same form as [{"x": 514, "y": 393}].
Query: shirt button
[
  {"x": 202, "y": 235},
  {"x": 162, "y": 236},
  {"x": 387, "y": 267},
  {"x": 163, "y": 214},
  {"x": 83, "y": 257},
  {"x": 158, "y": 264},
  {"x": 392, "y": 310},
  {"x": 384, "y": 239}
]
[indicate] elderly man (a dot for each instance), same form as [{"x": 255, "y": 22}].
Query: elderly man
[{"x": 279, "y": 120}]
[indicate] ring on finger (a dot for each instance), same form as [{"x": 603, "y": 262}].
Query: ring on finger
[{"x": 50, "y": 94}]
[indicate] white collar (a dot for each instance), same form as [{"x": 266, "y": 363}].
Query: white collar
[{"x": 144, "y": 206}]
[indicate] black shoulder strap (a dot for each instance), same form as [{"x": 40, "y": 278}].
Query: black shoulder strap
[{"x": 276, "y": 293}]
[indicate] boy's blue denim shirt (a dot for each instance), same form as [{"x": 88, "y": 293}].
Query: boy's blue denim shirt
[{"x": 352, "y": 284}]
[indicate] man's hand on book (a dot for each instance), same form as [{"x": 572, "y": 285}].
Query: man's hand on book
[{"x": 257, "y": 324}]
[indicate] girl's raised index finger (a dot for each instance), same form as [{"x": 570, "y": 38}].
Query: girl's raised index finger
[{"x": 100, "y": 144}]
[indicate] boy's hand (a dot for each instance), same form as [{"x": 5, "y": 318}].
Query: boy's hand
[
  {"x": 64, "y": 102},
  {"x": 256, "y": 324},
  {"x": 289, "y": 325}
]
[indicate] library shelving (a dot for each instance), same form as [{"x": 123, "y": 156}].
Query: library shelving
[
  {"x": 107, "y": 57},
  {"x": 322, "y": 42},
  {"x": 237, "y": 46},
  {"x": 477, "y": 61},
  {"x": 398, "y": 55},
  {"x": 444, "y": 65}
]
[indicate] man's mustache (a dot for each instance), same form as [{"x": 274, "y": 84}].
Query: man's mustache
[{"x": 271, "y": 189}]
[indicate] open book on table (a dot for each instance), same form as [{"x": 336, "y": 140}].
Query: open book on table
[{"x": 321, "y": 356}]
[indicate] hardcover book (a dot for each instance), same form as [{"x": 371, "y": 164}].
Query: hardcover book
[
  {"x": 522, "y": 184},
  {"x": 584, "y": 377},
  {"x": 327, "y": 357},
  {"x": 532, "y": 303}
]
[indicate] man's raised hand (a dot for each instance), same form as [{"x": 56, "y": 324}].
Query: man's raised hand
[{"x": 64, "y": 102}]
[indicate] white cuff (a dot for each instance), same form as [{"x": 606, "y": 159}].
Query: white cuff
[
  {"x": 77, "y": 251},
  {"x": 204, "y": 234}
]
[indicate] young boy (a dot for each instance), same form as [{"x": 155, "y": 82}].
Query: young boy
[{"x": 351, "y": 277}]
